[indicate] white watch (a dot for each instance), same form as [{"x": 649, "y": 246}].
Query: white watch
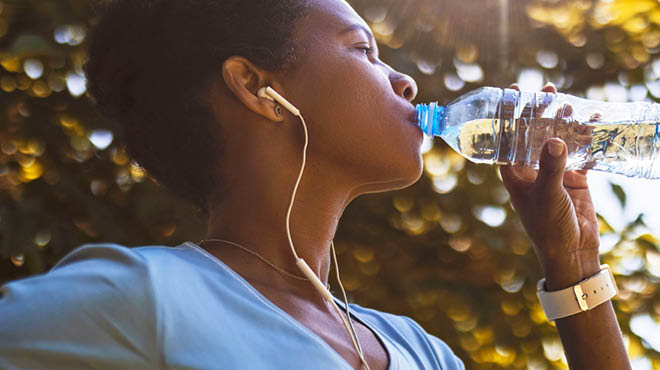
[{"x": 581, "y": 297}]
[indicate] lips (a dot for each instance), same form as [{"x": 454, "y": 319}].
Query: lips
[{"x": 412, "y": 115}]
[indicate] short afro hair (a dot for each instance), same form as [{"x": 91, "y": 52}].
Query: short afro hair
[{"x": 150, "y": 65}]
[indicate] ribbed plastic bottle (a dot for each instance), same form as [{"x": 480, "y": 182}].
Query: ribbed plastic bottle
[{"x": 504, "y": 126}]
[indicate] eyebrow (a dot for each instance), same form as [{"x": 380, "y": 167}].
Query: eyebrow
[{"x": 358, "y": 27}]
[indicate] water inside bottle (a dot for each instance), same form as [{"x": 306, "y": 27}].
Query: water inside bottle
[{"x": 626, "y": 147}]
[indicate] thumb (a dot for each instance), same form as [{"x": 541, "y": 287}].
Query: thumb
[{"x": 552, "y": 165}]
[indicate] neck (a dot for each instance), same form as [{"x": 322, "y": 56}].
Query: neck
[{"x": 254, "y": 216}]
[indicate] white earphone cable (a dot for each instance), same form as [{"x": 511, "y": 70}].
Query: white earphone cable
[
  {"x": 295, "y": 188},
  {"x": 343, "y": 292},
  {"x": 348, "y": 325}
]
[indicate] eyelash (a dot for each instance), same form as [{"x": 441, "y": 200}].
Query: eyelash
[{"x": 369, "y": 50}]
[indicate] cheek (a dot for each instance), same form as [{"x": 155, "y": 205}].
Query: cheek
[
  {"x": 351, "y": 112},
  {"x": 354, "y": 95},
  {"x": 353, "y": 123}
]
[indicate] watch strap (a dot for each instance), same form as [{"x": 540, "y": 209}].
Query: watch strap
[{"x": 580, "y": 297}]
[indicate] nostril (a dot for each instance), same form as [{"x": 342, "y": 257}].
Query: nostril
[
  {"x": 408, "y": 93},
  {"x": 403, "y": 85}
]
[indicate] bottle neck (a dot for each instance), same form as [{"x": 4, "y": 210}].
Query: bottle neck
[{"x": 431, "y": 118}]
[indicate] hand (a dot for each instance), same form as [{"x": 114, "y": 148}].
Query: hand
[{"x": 556, "y": 210}]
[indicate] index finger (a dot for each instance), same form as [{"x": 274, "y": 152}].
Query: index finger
[{"x": 549, "y": 88}]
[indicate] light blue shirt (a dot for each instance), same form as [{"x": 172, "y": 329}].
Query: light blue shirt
[{"x": 105, "y": 306}]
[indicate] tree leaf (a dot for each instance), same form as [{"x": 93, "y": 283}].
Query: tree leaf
[
  {"x": 648, "y": 241},
  {"x": 604, "y": 227},
  {"x": 620, "y": 193}
]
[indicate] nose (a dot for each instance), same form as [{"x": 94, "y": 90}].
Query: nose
[{"x": 404, "y": 85}]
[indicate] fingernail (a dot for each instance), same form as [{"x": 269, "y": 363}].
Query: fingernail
[
  {"x": 549, "y": 84},
  {"x": 555, "y": 148}
]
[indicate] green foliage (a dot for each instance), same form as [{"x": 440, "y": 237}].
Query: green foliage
[
  {"x": 620, "y": 193},
  {"x": 448, "y": 251}
]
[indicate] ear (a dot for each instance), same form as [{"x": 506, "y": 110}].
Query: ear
[{"x": 244, "y": 79}]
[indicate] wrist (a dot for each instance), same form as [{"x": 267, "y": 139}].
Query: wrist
[{"x": 571, "y": 270}]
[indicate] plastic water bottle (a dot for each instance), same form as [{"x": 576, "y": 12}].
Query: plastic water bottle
[{"x": 505, "y": 126}]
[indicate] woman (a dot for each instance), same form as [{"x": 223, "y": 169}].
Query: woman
[{"x": 182, "y": 79}]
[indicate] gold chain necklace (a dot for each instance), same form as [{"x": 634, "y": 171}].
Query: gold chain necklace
[{"x": 286, "y": 273}]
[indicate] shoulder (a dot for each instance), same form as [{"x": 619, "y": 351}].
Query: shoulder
[
  {"x": 116, "y": 262},
  {"x": 102, "y": 279},
  {"x": 97, "y": 301},
  {"x": 116, "y": 254},
  {"x": 96, "y": 254},
  {"x": 99, "y": 275},
  {"x": 143, "y": 272}
]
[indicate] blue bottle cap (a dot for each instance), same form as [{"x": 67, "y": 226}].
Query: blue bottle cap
[{"x": 431, "y": 118}]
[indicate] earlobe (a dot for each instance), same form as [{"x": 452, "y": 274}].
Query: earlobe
[{"x": 244, "y": 79}]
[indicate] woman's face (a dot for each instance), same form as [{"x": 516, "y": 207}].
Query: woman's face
[{"x": 358, "y": 109}]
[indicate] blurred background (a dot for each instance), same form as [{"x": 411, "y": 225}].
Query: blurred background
[{"x": 448, "y": 251}]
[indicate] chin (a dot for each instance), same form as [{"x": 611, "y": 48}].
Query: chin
[
  {"x": 379, "y": 174},
  {"x": 400, "y": 178},
  {"x": 413, "y": 175}
]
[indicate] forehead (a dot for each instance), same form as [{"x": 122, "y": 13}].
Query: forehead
[{"x": 329, "y": 17}]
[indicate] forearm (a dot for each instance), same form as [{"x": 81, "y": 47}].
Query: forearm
[{"x": 591, "y": 339}]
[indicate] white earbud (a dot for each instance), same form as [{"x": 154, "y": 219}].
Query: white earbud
[{"x": 272, "y": 95}]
